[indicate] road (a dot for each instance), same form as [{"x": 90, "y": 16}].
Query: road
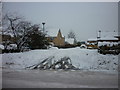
[{"x": 58, "y": 79}]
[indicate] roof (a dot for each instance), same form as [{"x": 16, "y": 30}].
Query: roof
[
  {"x": 83, "y": 45},
  {"x": 69, "y": 40},
  {"x": 92, "y": 39},
  {"x": 9, "y": 34},
  {"x": 53, "y": 32},
  {"x": 107, "y": 43},
  {"x": 106, "y": 36},
  {"x": 109, "y": 34},
  {"x": 118, "y": 36}
]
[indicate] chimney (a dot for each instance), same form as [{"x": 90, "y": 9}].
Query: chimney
[{"x": 99, "y": 34}]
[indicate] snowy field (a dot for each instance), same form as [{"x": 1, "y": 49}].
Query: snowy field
[
  {"x": 96, "y": 70},
  {"x": 83, "y": 59}
]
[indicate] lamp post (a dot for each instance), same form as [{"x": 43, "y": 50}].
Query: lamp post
[{"x": 43, "y": 23}]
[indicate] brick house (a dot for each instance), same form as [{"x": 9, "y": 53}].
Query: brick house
[{"x": 56, "y": 38}]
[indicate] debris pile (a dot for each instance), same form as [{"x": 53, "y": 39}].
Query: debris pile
[{"x": 49, "y": 63}]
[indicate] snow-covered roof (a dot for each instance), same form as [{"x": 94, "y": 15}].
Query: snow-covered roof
[
  {"x": 53, "y": 32},
  {"x": 108, "y": 38},
  {"x": 10, "y": 34},
  {"x": 83, "y": 45},
  {"x": 12, "y": 46},
  {"x": 92, "y": 39},
  {"x": 69, "y": 40},
  {"x": 108, "y": 34},
  {"x": 107, "y": 43}
]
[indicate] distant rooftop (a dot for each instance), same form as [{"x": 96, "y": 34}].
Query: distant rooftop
[
  {"x": 69, "y": 40},
  {"x": 106, "y": 36},
  {"x": 10, "y": 34},
  {"x": 53, "y": 32},
  {"x": 92, "y": 39},
  {"x": 109, "y": 34}
]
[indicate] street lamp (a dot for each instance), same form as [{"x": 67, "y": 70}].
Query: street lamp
[{"x": 43, "y": 23}]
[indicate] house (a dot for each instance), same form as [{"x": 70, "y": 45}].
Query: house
[
  {"x": 70, "y": 41},
  {"x": 108, "y": 39},
  {"x": 92, "y": 43},
  {"x": 7, "y": 37},
  {"x": 55, "y": 37},
  {"x": 105, "y": 38},
  {"x": 117, "y": 36},
  {"x": 4, "y": 37}
]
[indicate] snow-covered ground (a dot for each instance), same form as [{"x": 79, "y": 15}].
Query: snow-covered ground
[
  {"x": 97, "y": 70},
  {"x": 84, "y": 59}
]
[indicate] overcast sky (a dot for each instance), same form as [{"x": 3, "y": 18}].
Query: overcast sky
[{"x": 85, "y": 19}]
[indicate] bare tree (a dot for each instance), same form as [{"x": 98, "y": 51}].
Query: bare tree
[
  {"x": 71, "y": 34},
  {"x": 18, "y": 28},
  {"x": 23, "y": 33}
]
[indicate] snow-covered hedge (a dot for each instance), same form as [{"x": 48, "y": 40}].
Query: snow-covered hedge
[{"x": 12, "y": 46}]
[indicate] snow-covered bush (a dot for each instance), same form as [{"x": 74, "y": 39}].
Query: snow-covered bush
[
  {"x": 83, "y": 46},
  {"x": 1, "y": 46},
  {"x": 12, "y": 47}
]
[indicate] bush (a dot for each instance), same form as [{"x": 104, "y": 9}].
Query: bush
[
  {"x": 37, "y": 40},
  {"x": 109, "y": 50}
]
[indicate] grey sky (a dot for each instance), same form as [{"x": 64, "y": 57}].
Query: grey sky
[{"x": 85, "y": 19}]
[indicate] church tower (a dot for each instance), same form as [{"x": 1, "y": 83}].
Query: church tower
[{"x": 59, "y": 34}]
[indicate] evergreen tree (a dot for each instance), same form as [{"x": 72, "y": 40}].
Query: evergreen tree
[{"x": 37, "y": 40}]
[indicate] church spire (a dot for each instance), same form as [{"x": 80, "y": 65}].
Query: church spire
[{"x": 59, "y": 33}]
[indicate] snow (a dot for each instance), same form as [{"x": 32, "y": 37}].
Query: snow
[
  {"x": 92, "y": 43},
  {"x": 6, "y": 33},
  {"x": 83, "y": 46},
  {"x": 1, "y": 46},
  {"x": 103, "y": 38},
  {"x": 52, "y": 48},
  {"x": 84, "y": 59},
  {"x": 108, "y": 35},
  {"x": 108, "y": 38},
  {"x": 107, "y": 43},
  {"x": 12, "y": 46},
  {"x": 69, "y": 40}
]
